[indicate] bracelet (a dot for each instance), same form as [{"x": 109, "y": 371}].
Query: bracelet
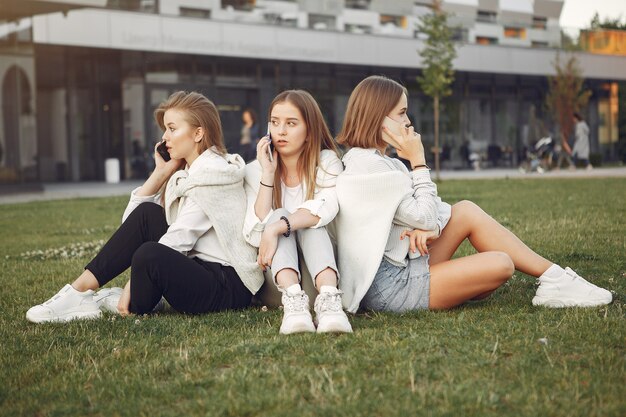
[
  {"x": 288, "y": 232},
  {"x": 420, "y": 166},
  {"x": 265, "y": 185}
]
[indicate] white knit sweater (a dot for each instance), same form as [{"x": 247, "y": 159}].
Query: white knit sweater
[
  {"x": 221, "y": 195},
  {"x": 378, "y": 198}
]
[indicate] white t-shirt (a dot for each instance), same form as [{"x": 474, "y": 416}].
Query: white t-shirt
[
  {"x": 293, "y": 197},
  {"x": 192, "y": 234}
]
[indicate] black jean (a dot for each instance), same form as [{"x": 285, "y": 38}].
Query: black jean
[{"x": 190, "y": 285}]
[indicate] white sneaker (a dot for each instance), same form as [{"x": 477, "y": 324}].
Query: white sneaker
[
  {"x": 569, "y": 290},
  {"x": 296, "y": 317},
  {"x": 329, "y": 313},
  {"x": 68, "y": 304},
  {"x": 108, "y": 298}
]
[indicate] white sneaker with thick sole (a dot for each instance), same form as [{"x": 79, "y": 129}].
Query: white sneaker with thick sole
[
  {"x": 569, "y": 290},
  {"x": 329, "y": 313},
  {"x": 296, "y": 315},
  {"x": 66, "y": 305},
  {"x": 108, "y": 298}
]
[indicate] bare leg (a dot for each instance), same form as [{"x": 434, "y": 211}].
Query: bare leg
[
  {"x": 485, "y": 234},
  {"x": 86, "y": 281},
  {"x": 471, "y": 277},
  {"x": 327, "y": 277},
  {"x": 287, "y": 277}
]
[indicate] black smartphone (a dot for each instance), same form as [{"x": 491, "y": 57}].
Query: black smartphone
[
  {"x": 271, "y": 147},
  {"x": 162, "y": 150}
]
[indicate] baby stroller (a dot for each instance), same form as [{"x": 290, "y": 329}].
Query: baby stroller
[{"x": 540, "y": 158}]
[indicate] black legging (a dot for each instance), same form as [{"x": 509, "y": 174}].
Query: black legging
[{"x": 189, "y": 285}]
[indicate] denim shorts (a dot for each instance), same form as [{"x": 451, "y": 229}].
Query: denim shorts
[{"x": 398, "y": 289}]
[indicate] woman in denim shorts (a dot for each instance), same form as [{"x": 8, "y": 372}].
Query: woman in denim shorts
[{"x": 396, "y": 237}]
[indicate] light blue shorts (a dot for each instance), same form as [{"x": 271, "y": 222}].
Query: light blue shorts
[{"x": 398, "y": 289}]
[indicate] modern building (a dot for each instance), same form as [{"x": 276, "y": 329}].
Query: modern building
[{"x": 81, "y": 78}]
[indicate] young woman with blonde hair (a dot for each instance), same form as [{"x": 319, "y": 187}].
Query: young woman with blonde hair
[
  {"x": 180, "y": 233},
  {"x": 291, "y": 198},
  {"x": 411, "y": 234}
]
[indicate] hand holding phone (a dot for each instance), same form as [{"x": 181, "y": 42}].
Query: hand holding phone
[
  {"x": 162, "y": 150},
  {"x": 405, "y": 140},
  {"x": 270, "y": 149}
]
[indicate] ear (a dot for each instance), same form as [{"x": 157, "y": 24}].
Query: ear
[{"x": 198, "y": 135}]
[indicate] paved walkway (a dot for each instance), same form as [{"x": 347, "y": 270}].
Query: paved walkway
[{"x": 58, "y": 191}]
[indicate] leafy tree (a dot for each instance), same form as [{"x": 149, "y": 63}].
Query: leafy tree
[
  {"x": 608, "y": 23},
  {"x": 437, "y": 55},
  {"x": 566, "y": 94}
]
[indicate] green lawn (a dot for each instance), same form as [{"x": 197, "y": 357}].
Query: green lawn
[{"x": 481, "y": 359}]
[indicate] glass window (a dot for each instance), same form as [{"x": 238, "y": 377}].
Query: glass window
[
  {"x": 484, "y": 40},
  {"x": 540, "y": 22},
  {"x": 512, "y": 32},
  {"x": 486, "y": 16}
]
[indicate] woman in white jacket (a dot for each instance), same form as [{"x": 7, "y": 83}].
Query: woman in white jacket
[
  {"x": 291, "y": 198},
  {"x": 192, "y": 253},
  {"x": 388, "y": 214}
]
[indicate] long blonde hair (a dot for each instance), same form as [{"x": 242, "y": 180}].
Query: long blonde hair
[
  {"x": 198, "y": 111},
  {"x": 318, "y": 138},
  {"x": 371, "y": 100}
]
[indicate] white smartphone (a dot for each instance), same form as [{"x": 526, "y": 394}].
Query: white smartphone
[
  {"x": 392, "y": 125},
  {"x": 270, "y": 149}
]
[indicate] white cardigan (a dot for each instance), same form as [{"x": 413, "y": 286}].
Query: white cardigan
[
  {"x": 219, "y": 191},
  {"x": 324, "y": 203},
  {"x": 368, "y": 204}
]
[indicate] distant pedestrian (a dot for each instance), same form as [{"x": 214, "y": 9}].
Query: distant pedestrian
[
  {"x": 249, "y": 135},
  {"x": 581, "y": 143},
  {"x": 564, "y": 152}
]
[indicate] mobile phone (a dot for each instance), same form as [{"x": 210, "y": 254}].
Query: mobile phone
[
  {"x": 392, "y": 125},
  {"x": 162, "y": 150},
  {"x": 270, "y": 149}
]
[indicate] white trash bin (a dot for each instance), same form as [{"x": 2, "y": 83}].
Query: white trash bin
[{"x": 112, "y": 170}]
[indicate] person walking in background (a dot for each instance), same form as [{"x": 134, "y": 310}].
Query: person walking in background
[
  {"x": 192, "y": 253},
  {"x": 396, "y": 238},
  {"x": 249, "y": 134},
  {"x": 580, "y": 152},
  {"x": 564, "y": 153},
  {"x": 291, "y": 198}
]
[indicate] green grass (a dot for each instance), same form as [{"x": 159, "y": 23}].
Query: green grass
[{"x": 480, "y": 359}]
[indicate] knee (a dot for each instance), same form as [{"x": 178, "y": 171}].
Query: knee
[
  {"x": 503, "y": 265},
  {"x": 147, "y": 254},
  {"x": 466, "y": 208},
  {"x": 277, "y": 214},
  {"x": 319, "y": 234},
  {"x": 148, "y": 209}
]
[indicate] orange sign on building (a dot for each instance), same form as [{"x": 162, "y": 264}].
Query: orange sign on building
[{"x": 610, "y": 42}]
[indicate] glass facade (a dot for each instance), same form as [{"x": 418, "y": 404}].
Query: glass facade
[{"x": 67, "y": 109}]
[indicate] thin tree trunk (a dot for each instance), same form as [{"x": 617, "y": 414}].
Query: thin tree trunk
[{"x": 436, "y": 114}]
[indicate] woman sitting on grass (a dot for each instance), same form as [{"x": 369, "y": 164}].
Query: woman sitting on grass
[
  {"x": 291, "y": 198},
  {"x": 191, "y": 251},
  {"x": 388, "y": 214}
]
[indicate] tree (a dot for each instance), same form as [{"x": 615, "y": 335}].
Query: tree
[
  {"x": 437, "y": 56},
  {"x": 608, "y": 23},
  {"x": 566, "y": 94}
]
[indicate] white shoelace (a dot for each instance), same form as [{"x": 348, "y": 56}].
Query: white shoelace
[
  {"x": 329, "y": 302},
  {"x": 295, "y": 303}
]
